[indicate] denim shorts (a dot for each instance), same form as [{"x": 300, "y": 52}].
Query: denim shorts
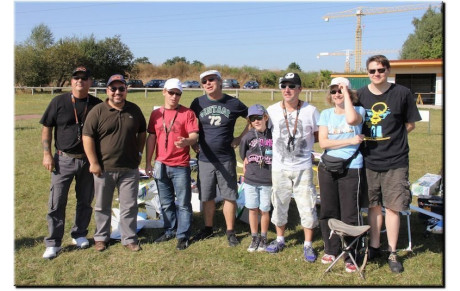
[{"x": 257, "y": 197}]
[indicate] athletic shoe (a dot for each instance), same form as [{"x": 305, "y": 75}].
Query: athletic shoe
[
  {"x": 182, "y": 244},
  {"x": 327, "y": 259},
  {"x": 262, "y": 244},
  {"x": 275, "y": 247},
  {"x": 164, "y": 237},
  {"x": 51, "y": 252},
  {"x": 309, "y": 254},
  {"x": 395, "y": 266},
  {"x": 202, "y": 235},
  {"x": 81, "y": 242},
  {"x": 254, "y": 244},
  {"x": 232, "y": 241},
  {"x": 350, "y": 267},
  {"x": 373, "y": 253}
]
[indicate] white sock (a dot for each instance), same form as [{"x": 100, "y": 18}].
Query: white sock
[
  {"x": 307, "y": 244},
  {"x": 280, "y": 239}
]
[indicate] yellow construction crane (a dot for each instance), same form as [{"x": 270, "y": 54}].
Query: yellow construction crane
[
  {"x": 362, "y": 11},
  {"x": 349, "y": 54}
]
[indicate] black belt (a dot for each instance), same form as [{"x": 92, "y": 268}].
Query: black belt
[{"x": 73, "y": 156}]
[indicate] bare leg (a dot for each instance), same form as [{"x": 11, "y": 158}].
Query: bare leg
[
  {"x": 375, "y": 221},
  {"x": 392, "y": 222},
  {"x": 209, "y": 209},
  {"x": 229, "y": 213}
]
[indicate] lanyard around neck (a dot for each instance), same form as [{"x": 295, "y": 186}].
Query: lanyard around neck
[
  {"x": 79, "y": 125},
  {"x": 168, "y": 130},
  {"x": 294, "y": 131}
]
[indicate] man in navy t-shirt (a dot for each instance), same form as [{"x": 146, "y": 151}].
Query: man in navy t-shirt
[{"x": 217, "y": 114}]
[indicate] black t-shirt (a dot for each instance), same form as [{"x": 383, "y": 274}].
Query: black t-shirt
[
  {"x": 60, "y": 114},
  {"x": 386, "y": 145},
  {"x": 257, "y": 148},
  {"x": 217, "y": 123}
]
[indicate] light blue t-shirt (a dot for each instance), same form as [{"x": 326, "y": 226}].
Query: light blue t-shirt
[{"x": 338, "y": 128}]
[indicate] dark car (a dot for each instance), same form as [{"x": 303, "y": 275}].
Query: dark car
[
  {"x": 230, "y": 83},
  {"x": 251, "y": 85},
  {"x": 153, "y": 83},
  {"x": 134, "y": 84},
  {"x": 161, "y": 84},
  {"x": 191, "y": 84}
]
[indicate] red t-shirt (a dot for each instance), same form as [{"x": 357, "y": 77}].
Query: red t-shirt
[{"x": 184, "y": 123}]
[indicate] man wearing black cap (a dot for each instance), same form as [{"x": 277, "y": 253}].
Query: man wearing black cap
[
  {"x": 66, "y": 113},
  {"x": 294, "y": 131},
  {"x": 113, "y": 138}
]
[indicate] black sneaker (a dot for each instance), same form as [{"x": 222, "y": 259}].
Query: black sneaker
[
  {"x": 254, "y": 244},
  {"x": 182, "y": 244},
  {"x": 262, "y": 244},
  {"x": 373, "y": 253},
  {"x": 202, "y": 235},
  {"x": 232, "y": 241},
  {"x": 395, "y": 265},
  {"x": 164, "y": 237}
]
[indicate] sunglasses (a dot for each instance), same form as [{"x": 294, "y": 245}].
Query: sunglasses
[
  {"x": 381, "y": 71},
  {"x": 204, "y": 81},
  {"x": 291, "y": 86},
  {"x": 172, "y": 93},
  {"x": 121, "y": 89},
  {"x": 253, "y": 118},
  {"x": 80, "y": 78},
  {"x": 336, "y": 91}
]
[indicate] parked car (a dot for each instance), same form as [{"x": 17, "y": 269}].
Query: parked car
[
  {"x": 251, "y": 85},
  {"x": 161, "y": 84},
  {"x": 191, "y": 84},
  {"x": 134, "y": 84},
  {"x": 154, "y": 83},
  {"x": 230, "y": 83},
  {"x": 99, "y": 83}
]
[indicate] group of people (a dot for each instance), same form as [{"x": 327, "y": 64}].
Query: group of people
[{"x": 100, "y": 145}]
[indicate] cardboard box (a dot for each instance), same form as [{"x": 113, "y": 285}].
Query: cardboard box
[{"x": 426, "y": 185}]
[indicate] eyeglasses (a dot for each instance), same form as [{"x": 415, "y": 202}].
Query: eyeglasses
[
  {"x": 381, "y": 71},
  {"x": 80, "y": 78},
  {"x": 336, "y": 91},
  {"x": 291, "y": 86},
  {"x": 204, "y": 81},
  {"x": 121, "y": 89},
  {"x": 172, "y": 93},
  {"x": 253, "y": 118}
]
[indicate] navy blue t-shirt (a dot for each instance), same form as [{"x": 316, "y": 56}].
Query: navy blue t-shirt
[{"x": 217, "y": 123}]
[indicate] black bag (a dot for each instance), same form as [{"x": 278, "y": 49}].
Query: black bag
[{"x": 336, "y": 165}]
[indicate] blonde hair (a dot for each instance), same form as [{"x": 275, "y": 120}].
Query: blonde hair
[{"x": 249, "y": 122}]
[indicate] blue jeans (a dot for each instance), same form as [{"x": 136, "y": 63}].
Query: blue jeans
[{"x": 178, "y": 180}]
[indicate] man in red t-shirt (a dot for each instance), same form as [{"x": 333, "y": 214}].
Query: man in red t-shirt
[{"x": 172, "y": 129}]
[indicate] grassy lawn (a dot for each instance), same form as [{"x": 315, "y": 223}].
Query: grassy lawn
[{"x": 210, "y": 262}]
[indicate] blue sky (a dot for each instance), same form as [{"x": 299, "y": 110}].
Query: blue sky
[{"x": 266, "y": 35}]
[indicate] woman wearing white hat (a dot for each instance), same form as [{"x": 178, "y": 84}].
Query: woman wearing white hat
[{"x": 340, "y": 188}]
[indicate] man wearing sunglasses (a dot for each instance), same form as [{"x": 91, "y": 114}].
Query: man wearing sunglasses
[
  {"x": 113, "y": 138},
  {"x": 172, "y": 129},
  {"x": 391, "y": 114},
  {"x": 66, "y": 113},
  {"x": 294, "y": 132},
  {"x": 217, "y": 114}
]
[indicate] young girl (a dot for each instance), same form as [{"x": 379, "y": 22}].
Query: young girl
[{"x": 256, "y": 152}]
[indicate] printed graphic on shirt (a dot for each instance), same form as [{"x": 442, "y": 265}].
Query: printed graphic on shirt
[
  {"x": 262, "y": 151},
  {"x": 374, "y": 116},
  {"x": 299, "y": 147},
  {"x": 340, "y": 129},
  {"x": 214, "y": 114}
]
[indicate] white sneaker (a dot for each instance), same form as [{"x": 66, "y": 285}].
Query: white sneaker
[
  {"x": 81, "y": 242},
  {"x": 51, "y": 252}
]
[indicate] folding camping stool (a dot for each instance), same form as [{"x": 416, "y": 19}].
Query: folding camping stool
[{"x": 343, "y": 230}]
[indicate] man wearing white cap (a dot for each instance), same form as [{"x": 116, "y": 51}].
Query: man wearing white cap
[
  {"x": 172, "y": 129},
  {"x": 217, "y": 113}
]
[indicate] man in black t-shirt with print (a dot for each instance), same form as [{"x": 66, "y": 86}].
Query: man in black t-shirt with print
[
  {"x": 66, "y": 114},
  {"x": 391, "y": 114},
  {"x": 217, "y": 114}
]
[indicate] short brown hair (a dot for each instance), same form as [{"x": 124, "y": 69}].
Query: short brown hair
[
  {"x": 381, "y": 59},
  {"x": 353, "y": 95}
]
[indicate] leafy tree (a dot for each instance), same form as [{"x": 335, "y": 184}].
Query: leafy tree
[
  {"x": 170, "y": 62},
  {"x": 143, "y": 60},
  {"x": 293, "y": 67},
  {"x": 65, "y": 55},
  {"x": 41, "y": 37},
  {"x": 427, "y": 40},
  {"x": 197, "y": 64},
  {"x": 269, "y": 79}
]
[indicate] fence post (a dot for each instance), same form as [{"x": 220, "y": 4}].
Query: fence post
[
  {"x": 273, "y": 95},
  {"x": 145, "y": 94},
  {"x": 32, "y": 91}
]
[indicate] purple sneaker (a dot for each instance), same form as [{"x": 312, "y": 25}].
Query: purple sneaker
[
  {"x": 309, "y": 254},
  {"x": 275, "y": 247}
]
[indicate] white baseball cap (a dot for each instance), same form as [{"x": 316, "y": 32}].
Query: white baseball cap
[
  {"x": 338, "y": 80},
  {"x": 210, "y": 72},
  {"x": 173, "y": 83}
]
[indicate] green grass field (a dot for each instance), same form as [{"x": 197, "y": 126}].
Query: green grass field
[{"x": 210, "y": 262}]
